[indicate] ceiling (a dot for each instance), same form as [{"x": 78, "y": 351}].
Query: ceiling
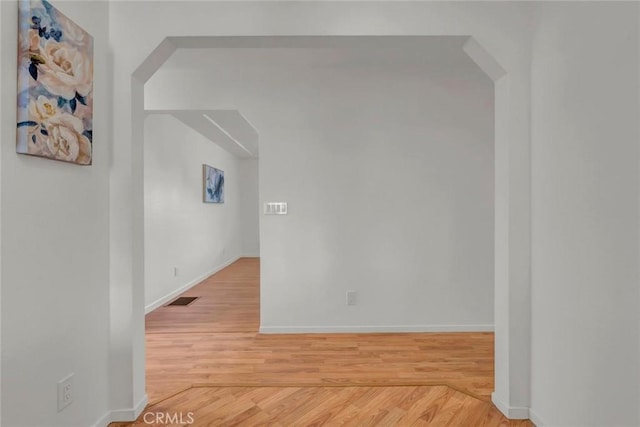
[{"x": 260, "y": 91}]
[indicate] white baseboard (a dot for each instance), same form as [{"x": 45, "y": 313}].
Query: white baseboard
[
  {"x": 251, "y": 255},
  {"x": 132, "y": 414},
  {"x": 536, "y": 420},
  {"x": 165, "y": 299},
  {"x": 373, "y": 329},
  {"x": 511, "y": 412},
  {"x": 104, "y": 421},
  {"x": 123, "y": 415}
]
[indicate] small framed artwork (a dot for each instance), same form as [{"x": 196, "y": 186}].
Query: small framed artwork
[
  {"x": 55, "y": 85},
  {"x": 213, "y": 184}
]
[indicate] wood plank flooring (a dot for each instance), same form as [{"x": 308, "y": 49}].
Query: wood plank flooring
[
  {"x": 229, "y": 302},
  {"x": 330, "y": 406},
  {"x": 208, "y": 358}
]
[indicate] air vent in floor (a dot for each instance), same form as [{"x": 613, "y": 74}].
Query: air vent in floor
[{"x": 182, "y": 301}]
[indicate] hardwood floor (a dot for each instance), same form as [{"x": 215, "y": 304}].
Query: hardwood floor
[
  {"x": 208, "y": 358},
  {"x": 229, "y": 302},
  {"x": 330, "y": 406}
]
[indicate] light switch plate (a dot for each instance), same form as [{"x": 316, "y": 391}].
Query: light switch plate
[{"x": 275, "y": 208}]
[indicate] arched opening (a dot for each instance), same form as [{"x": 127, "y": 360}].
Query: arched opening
[{"x": 511, "y": 302}]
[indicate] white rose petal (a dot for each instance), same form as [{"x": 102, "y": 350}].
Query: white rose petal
[
  {"x": 42, "y": 109},
  {"x": 66, "y": 70},
  {"x": 65, "y": 140}
]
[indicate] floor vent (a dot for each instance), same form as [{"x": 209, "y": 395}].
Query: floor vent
[{"x": 182, "y": 301}]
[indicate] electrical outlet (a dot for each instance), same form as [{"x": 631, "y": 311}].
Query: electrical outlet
[
  {"x": 175, "y": 271},
  {"x": 351, "y": 297},
  {"x": 65, "y": 392}
]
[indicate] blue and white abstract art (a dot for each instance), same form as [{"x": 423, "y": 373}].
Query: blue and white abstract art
[{"x": 213, "y": 184}]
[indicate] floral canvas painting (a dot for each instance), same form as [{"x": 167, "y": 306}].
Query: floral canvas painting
[
  {"x": 55, "y": 85},
  {"x": 213, "y": 184}
]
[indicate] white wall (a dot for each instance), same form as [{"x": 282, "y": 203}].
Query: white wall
[
  {"x": 55, "y": 255},
  {"x": 249, "y": 207},
  {"x": 498, "y": 26},
  {"x": 180, "y": 230},
  {"x": 390, "y": 195},
  {"x": 385, "y": 158},
  {"x": 3, "y": 87},
  {"x": 585, "y": 361}
]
